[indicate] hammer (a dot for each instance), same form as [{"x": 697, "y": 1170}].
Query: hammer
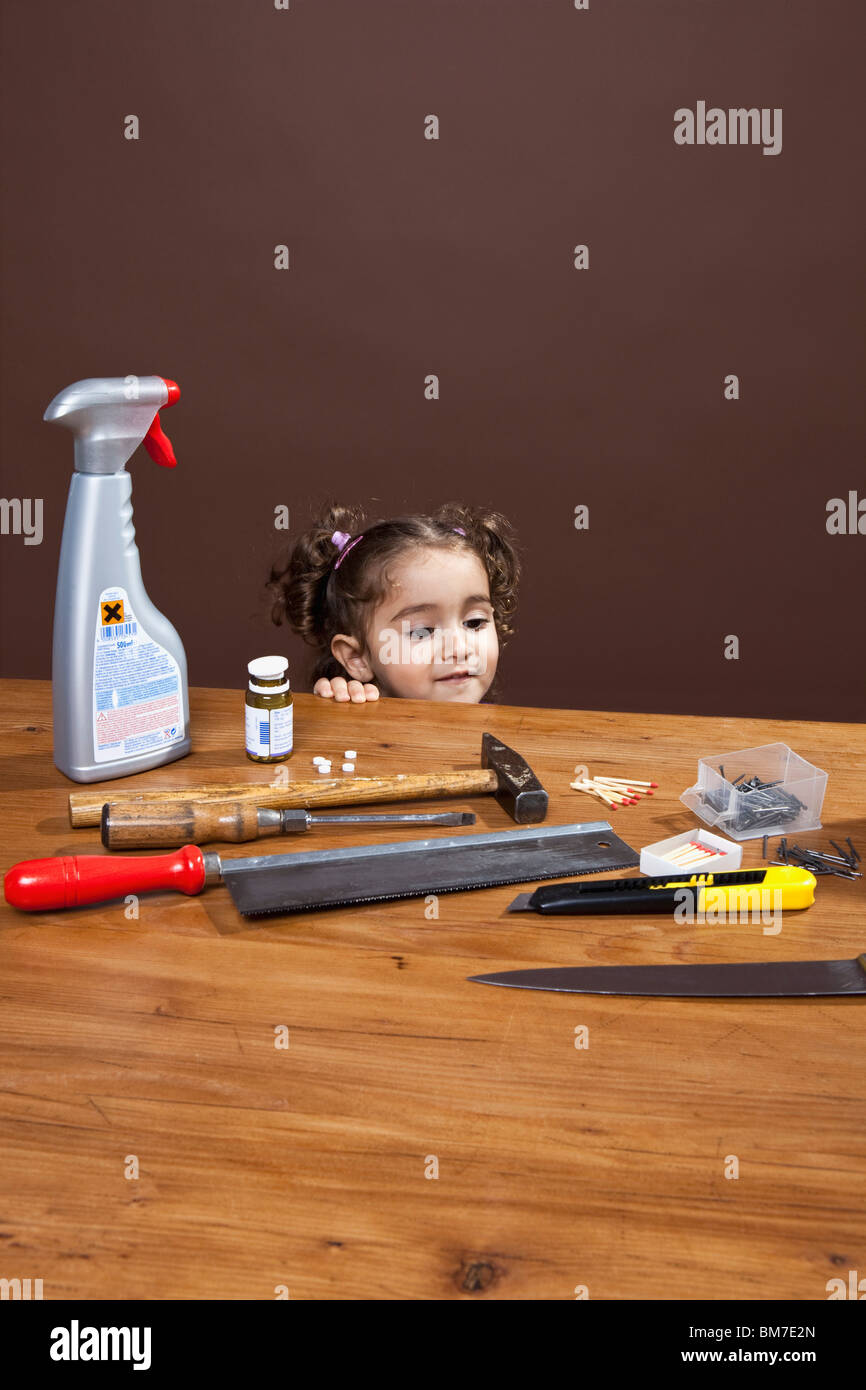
[{"x": 503, "y": 772}]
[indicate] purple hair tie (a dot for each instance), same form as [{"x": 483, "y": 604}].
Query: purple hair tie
[{"x": 343, "y": 541}]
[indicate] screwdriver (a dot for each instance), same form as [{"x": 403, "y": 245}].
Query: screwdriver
[{"x": 152, "y": 825}]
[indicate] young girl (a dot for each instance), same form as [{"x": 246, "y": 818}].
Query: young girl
[{"x": 416, "y": 607}]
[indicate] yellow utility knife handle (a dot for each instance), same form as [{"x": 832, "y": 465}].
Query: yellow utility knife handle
[{"x": 786, "y": 887}]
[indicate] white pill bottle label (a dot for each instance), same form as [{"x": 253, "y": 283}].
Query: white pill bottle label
[{"x": 269, "y": 732}]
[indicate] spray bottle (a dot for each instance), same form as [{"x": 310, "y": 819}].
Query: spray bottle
[{"x": 119, "y": 677}]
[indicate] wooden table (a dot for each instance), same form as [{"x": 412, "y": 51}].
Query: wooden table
[{"x": 149, "y": 1044}]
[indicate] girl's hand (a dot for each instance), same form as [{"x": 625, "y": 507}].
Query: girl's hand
[{"x": 341, "y": 690}]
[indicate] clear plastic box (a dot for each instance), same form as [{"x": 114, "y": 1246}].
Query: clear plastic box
[{"x": 790, "y": 804}]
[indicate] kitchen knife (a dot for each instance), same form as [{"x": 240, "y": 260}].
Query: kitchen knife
[
  {"x": 306, "y": 881},
  {"x": 784, "y": 979}
]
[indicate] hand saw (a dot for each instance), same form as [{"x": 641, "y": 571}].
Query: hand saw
[{"x": 306, "y": 881}]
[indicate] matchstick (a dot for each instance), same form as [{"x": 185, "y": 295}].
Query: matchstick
[
  {"x": 636, "y": 788},
  {"x": 612, "y": 799},
  {"x": 687, "y": 851},
  {"x": 632, "y": 781}
]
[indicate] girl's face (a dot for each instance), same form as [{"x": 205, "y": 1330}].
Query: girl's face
[{"x": 433, "y": 637}]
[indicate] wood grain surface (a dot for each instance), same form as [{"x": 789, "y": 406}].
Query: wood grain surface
[{"x": 150, "y": 1041}]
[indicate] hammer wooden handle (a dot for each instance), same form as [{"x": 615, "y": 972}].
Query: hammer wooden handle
[{"x": 85, "y": 808}]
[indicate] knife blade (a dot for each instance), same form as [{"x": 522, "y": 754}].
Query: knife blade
[{"x": 784, "y": 979}]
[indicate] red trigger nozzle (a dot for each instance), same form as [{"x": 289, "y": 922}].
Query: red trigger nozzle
[{"x": 156, "y": 441}]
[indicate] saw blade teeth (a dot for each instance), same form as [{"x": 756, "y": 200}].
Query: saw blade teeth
[{"x": 399, "y": 897}]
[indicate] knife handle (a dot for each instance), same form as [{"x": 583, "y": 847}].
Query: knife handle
[
  {"x": 73, "y": 880},
  {"x": 570, "y": 899}
]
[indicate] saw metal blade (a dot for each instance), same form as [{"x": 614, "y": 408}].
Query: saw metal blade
[
  {"x": 306, "y": 881},
  {"x": 784, "y": 979}
]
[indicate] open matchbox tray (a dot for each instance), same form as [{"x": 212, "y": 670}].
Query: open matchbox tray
[{"x": 654, "y": 860}]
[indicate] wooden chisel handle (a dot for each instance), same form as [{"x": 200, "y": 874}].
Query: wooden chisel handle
[
  {"x": 85, "y": 808},
  {"x": 160, "y": 825}
]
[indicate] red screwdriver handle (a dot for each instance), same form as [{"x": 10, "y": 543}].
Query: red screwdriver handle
[{"x": 40, "y": 885}]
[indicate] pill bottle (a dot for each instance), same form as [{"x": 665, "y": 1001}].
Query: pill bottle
[{"x": 268, "y": 710}]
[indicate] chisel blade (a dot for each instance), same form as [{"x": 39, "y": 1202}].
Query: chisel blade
[{"x": 784, "y": 979}]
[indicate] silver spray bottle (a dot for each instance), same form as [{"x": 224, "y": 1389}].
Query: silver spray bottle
[{"x": 119, "y": 677}]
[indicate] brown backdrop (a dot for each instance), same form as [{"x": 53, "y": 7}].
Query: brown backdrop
[{"x": 604, "y": 387}]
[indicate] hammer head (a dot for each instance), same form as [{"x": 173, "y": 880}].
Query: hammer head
[{"x": 519, "y": 790}]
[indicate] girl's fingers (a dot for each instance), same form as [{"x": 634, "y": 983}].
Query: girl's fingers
[{"x": 340, "y": 689}]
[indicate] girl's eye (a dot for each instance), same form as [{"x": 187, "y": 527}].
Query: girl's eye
[
  {"x": 420, "y": 634},
  {"x": 476, "y": 624}
]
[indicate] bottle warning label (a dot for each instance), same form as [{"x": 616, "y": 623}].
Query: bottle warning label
[{"x": 137, "y": 702}]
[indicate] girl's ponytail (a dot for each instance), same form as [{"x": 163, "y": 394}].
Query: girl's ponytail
[{"x": 299, "y": 585}]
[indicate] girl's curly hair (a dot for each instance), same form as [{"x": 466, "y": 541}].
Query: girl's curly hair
[{"x": 319, "y": 599}]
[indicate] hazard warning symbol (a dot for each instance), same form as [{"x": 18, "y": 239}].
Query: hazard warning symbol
[{"x": 112, "y": 612}]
